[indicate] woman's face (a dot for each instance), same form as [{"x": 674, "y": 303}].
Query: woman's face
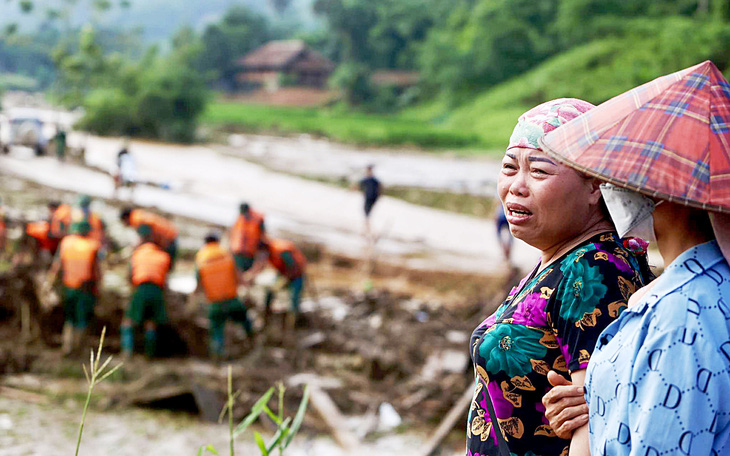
[{"x": 546, "y": 203}]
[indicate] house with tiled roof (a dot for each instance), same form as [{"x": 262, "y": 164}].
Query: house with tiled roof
[{"x": 291, "y": 60}]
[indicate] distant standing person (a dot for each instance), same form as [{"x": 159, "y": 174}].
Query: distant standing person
[
  {"x": 505, "y": 239},
  {"x": 371, "y": 188},
  {"x": 60, "y": 141},
  {"x": 126, "y": 170}
]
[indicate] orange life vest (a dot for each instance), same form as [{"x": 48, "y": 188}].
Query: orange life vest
[
  {"x": 246, "y": 234},
  {"x": 276, "y": 248},
  {"x": 40, "y": 231},
  {"x": 78, "y": 260},
  {"x": 60, "y": 221},
  {"x": 150, "y": 264},
  {"x": 217, "y": 272},
  {"x": 163, "y": 231}
]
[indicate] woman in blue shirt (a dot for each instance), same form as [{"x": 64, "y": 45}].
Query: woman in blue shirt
[{"x": 659, "y": 379}]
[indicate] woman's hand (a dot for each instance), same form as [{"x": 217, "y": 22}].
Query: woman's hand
[{"x": 565, "y": 406}]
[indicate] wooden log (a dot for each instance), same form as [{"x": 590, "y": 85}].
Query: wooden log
[
  {"x": 335, "y": 422},
  {"x": 456, "y": 413},
  {"x": 20, "y": 395}
]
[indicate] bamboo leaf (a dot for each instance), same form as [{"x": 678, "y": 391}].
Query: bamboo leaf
[
  {"x": 256, "y": 410},
  {"x": 280, "y": 434},
  {"x": 260, "y": 442},
  {"x": 274, "y": 417},
  {"x": 208, "y": 448},
  {"x": 298, "y": 418}
]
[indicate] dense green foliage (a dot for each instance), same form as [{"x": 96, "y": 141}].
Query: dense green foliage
[
  {"x": 156, "y": 97},
  {"x": 223, "y": 43},
  {"x": 481, "y": 64}
]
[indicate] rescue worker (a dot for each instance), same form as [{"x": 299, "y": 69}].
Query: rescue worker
[
  {"x": 290, "y": 263},
  {"x": 60, "y": 220},
  {"x": 245, "y": 235},
  {"x": 217, "y": 277},
  {"x": 83, "y": 211},
  {"x": 38, "y": 242},
  {"x": 148, "y": 275},
  {"x": 78, "y": 261},
  {"x": 164, "y": 232}
]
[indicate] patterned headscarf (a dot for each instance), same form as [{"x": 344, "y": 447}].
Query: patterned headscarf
[{"x": 545, "y": 118}]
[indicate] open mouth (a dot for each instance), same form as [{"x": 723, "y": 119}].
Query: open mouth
[{"x": 519, "y": 213}]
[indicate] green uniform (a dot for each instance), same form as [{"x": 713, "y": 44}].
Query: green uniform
[
  {"x": 243, "y": 262},
  {"x": 148, "y": 304},
  {"x": 78, "y": 306}
]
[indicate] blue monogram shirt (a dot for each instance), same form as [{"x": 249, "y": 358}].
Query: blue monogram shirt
[{"x": 659, "y": 379}]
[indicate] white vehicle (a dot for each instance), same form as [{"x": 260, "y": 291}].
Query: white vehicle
[{"x": 23, "y": 131}]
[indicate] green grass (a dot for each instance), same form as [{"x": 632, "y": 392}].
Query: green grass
[{"x": 345, "y": 126}]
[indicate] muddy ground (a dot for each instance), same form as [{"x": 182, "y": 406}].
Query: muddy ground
[{"x": 387, "y": 336}]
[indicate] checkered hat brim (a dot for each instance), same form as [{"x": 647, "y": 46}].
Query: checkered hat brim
[{"x": 669, "y": 138}]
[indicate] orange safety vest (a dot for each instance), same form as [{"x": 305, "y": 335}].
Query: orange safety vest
[
  {"x": 40, "y": 231},
  {"x": 276, "y": 248},
  {"x": 60, "y": 221},
  {"x": 246, "y": 234},
  {"x": 78, "y": 260},
  {"x": 217, "y": 272},
  {"x": 163, "y": 231},
  {"x": 97, "y": 227},
  {"x": 150, "y": 264}
]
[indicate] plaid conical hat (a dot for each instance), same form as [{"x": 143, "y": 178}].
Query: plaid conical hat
[{"x": 669, "y": 138}]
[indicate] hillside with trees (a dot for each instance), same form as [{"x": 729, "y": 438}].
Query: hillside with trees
[{"x": 480, "y": 63}]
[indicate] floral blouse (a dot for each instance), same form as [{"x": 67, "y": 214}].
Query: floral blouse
[{"x": 550, "y": 321}]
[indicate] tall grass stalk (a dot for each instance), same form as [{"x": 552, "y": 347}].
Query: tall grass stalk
[{"x": 94, "y": 375}]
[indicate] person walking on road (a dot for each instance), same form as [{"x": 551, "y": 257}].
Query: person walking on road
[
  {"x": 245, "y": 235},
  {"x": 148, "y": 275},
  {"x": 164, "y": 232},
  {"x": 504, "y": 236},
  {"x": 371, "y": 189},
  {"x": 126, "y": 175},
  {"x": 290, "y": 263},
  {"x": 78, "y": 262},
  {"x": 217, "y": 277}
]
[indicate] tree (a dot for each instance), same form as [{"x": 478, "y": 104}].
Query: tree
[{"x": 239, "y": 32}]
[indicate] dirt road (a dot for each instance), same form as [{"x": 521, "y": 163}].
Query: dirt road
[{"x": 208, "y": 185}]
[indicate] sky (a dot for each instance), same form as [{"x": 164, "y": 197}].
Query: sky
[{"x": 159, "y": 19}]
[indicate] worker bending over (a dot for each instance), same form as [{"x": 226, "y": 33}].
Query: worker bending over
[
  {"x": 218, "y": 278},
  {"x": 289, "y": 262},
  {"x": 164, "y": 232},
  {"x": 78, "y": 261},
  {"x": 148, "y": 275},
  {"x": 245, "y": 235}
]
